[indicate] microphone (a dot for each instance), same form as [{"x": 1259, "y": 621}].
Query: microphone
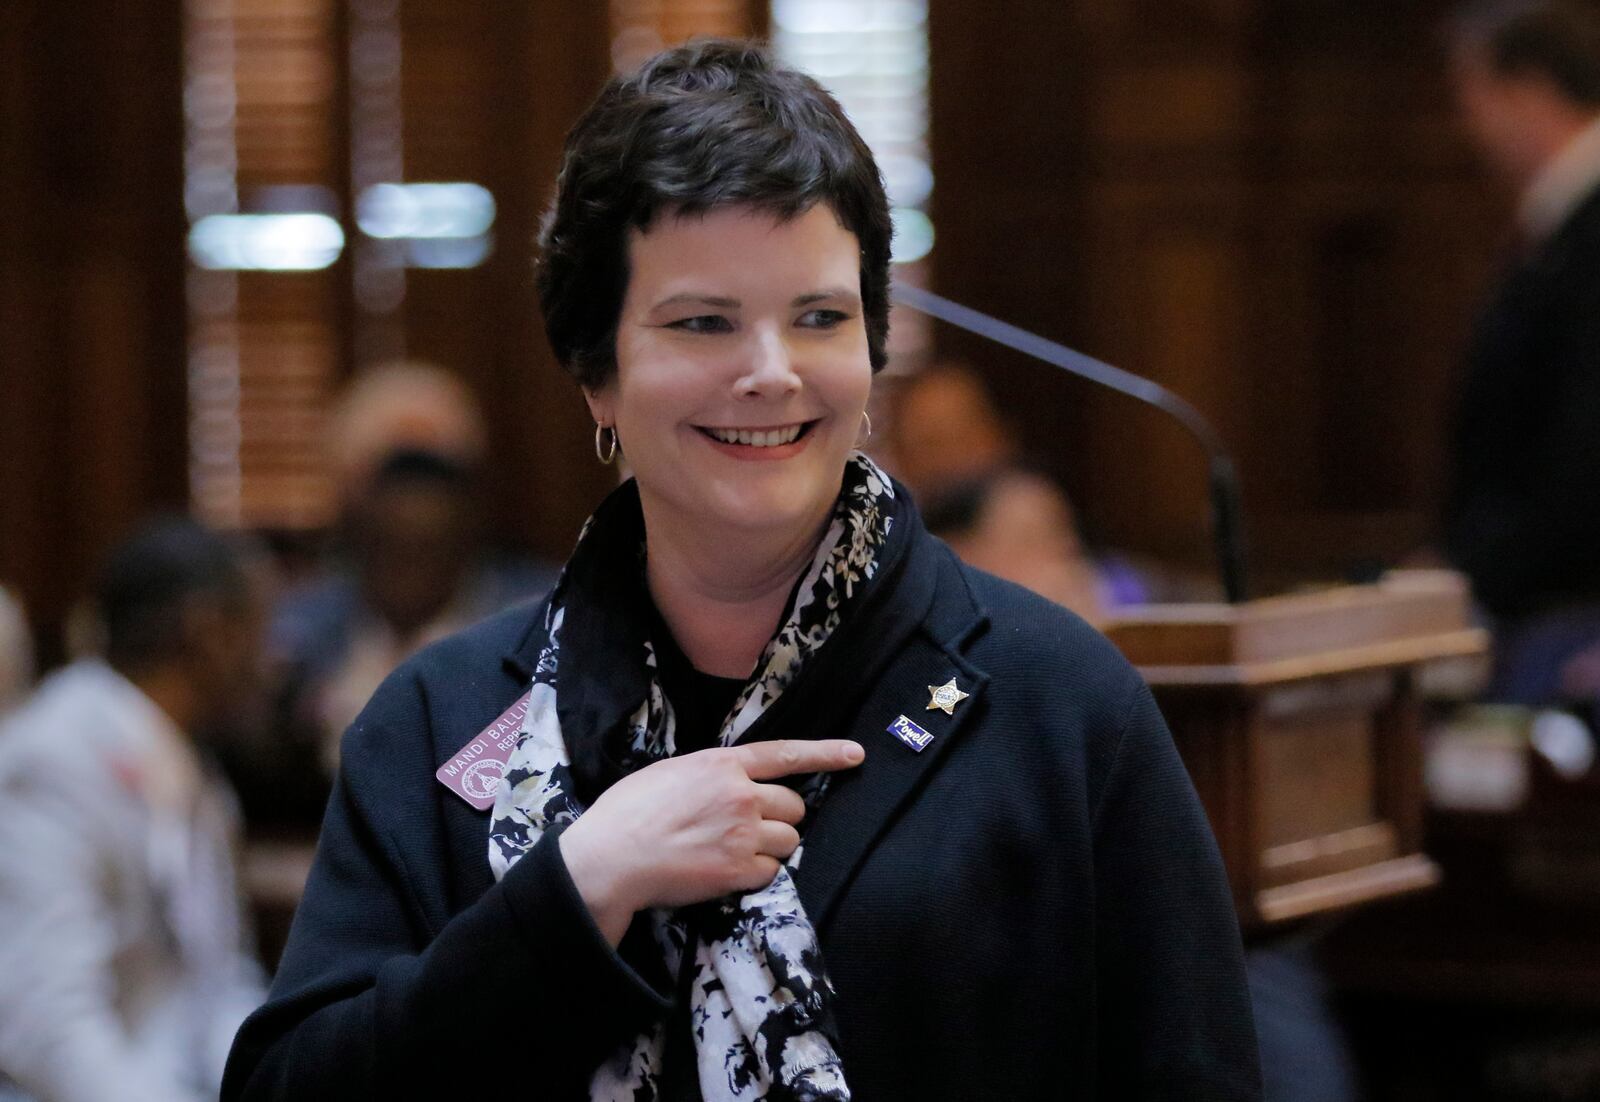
[{"x": 1227, "y": 521}]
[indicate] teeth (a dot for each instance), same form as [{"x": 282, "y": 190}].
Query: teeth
[{"x": 758, "y": 438}]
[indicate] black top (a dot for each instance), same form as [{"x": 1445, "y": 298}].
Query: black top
[
  {"x": 1031, "y": 907},
  {"x": 700, "y": 701}
]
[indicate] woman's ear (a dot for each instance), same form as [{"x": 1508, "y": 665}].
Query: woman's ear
[{"x": 599, "y": 403}]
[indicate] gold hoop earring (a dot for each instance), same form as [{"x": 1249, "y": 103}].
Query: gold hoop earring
[{"x": 605, "y": 435}]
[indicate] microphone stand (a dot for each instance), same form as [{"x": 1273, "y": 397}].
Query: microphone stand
[{"x": 1227, "y": 522}]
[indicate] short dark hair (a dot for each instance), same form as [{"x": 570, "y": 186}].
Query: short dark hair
[
  {"x": 1558, "y": 39},
  {"x": 149, "y": 578},
  {"x": 711, "y": 124}
]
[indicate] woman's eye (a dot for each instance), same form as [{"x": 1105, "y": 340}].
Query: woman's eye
[
  {"x": 703, "y": 323},
  {"x": 823, "y": 319}
]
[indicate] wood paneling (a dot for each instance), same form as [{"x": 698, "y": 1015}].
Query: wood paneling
[
  {"x": 91, "y": 287},
  {"x": 500, "y": 121},
  {"x": 1266, "y": 206}
]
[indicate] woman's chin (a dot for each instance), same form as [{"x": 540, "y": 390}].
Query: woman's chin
[
  {"x": 765, "y": 517},
  {"x": 767, "y": 502},
  {"x": 767, "y": 506}
]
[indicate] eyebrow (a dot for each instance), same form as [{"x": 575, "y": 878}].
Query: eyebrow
[
  {"x": 824, "y": 294},
  {"x": 723, "y": 303},
  {"x": 704, "y": 300}
]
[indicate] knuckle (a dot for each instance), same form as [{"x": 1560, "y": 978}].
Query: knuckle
[
  {"x": 739, "y": 838},
  {"x": 743, "y": 802}
]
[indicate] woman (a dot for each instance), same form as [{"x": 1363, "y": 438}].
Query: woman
[{"x": 1007, "y": 888}]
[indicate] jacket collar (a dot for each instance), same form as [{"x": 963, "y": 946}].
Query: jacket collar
[
  {"x": 607, "y": 569},
  {"x": 863, "y": 802},
  {"x": 520, "y": 660}
]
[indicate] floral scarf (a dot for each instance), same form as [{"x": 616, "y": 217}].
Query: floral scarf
[{"x": 759, "y": 996}]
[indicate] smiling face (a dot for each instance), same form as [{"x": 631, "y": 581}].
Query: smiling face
[{"x": 742, "y": 369}]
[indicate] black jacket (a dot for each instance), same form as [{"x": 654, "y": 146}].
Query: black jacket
[
  {"x": 1031, "y": 908},
  {"x": 1522, "y": 513}
]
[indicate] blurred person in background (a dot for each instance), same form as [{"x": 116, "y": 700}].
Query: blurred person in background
[
  {"x": 945, "y": 429},
  {"x": 1522, "y": 511},
  {"x": 16, "y": 652},
  {"x": 411, "y": 566},
  {"x": 951, "y": 444},
  {"x": 123, "y": 965},
  {"x": 404, "y": 406},
  {"x": 1019, "y": 526},
  {"x": 413, "y": 571}
]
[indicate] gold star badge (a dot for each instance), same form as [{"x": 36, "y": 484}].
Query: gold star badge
[{"x": 945, "y": 697}]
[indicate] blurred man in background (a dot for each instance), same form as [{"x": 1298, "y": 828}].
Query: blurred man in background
[
  {"x": 1522, "y": 514},
  {"x": 410, "y": 564},
  {"x": 412, "y": 572},
  {"x": 123, "y": 967},
  {"x": 403, "y": 406}
]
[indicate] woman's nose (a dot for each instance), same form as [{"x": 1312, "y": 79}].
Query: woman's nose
[{"x": 770, "y": 371}]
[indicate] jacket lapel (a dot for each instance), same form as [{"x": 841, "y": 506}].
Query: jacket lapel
[{"x": 862, "y": 803}]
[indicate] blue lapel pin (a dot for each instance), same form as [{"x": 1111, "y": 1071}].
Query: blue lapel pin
[{"x": 910, "y": 734}]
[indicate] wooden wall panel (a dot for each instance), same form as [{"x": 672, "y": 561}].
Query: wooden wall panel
[
  {"x": 546, "y": 62},
  {"x": 91, "y": 287},
  {"x": 551, "y": 480},
  {"x": 1263, "y": 204}
]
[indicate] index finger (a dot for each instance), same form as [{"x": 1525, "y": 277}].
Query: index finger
[{"x": 765, "y": 761}]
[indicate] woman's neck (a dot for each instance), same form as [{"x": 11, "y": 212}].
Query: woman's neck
[{"x": 723, "y": 593}]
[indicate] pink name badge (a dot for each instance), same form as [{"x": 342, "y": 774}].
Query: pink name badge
[{"x": 474, "y": 771}]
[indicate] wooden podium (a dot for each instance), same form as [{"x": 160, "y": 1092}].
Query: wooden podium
[{"x": 1300, "y": 720}]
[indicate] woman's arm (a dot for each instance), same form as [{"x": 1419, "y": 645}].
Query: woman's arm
[
  {"x": 376, "y": 995},
  {"x": 1174, "y": 1011}
]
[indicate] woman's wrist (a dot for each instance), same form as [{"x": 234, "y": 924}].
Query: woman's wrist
[{"x": 601, "y": 884}]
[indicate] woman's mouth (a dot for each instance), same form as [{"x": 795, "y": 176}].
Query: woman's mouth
[{"x": 775, "y": 436}]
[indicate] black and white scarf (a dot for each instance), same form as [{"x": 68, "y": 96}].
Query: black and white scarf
[{"x": 759, "y": 994}]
